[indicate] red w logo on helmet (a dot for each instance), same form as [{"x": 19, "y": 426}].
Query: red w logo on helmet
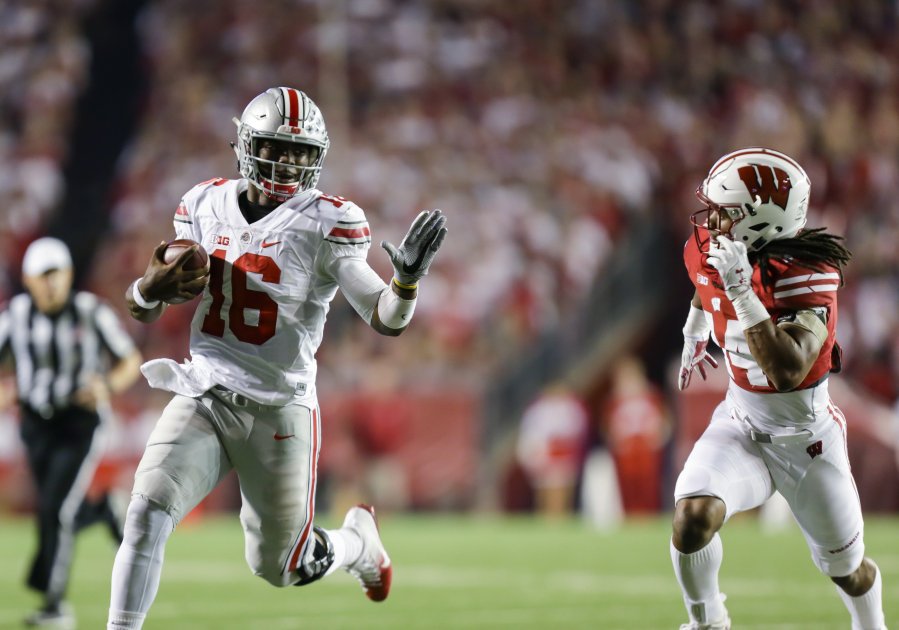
[{"x": 767, "y": 182}]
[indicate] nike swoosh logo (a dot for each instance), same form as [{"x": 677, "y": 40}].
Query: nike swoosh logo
[
  {"x": 264, "y": 244},
  {"x": 283, "y": 437}
]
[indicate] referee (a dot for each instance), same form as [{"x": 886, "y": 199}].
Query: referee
[{"x": 70, "y": 353}]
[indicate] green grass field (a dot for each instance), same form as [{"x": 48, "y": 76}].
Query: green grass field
[{"x": 467, "y": 572}]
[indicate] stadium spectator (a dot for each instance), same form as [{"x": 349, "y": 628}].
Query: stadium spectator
[
  {"x": 59, "y": 341},
  {"x": 777, "y": 429},
  {"x": 637, "y": 426},
  {"x": 247, "y": 401},
  {"x": 552, "y": 442}
]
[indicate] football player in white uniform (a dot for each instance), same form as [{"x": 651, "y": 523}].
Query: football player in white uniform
[
  {"x": 766, "y": 291},
  {"x": 279, "y": 249}
]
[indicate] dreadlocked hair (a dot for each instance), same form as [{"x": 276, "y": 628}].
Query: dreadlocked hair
[{"x": 812, "y": 248}]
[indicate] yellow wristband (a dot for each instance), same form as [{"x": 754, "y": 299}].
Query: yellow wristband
[{"x": 408, "y": 287}]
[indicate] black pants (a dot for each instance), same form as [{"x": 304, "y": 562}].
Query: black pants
[{"x": 62, "y": 462}]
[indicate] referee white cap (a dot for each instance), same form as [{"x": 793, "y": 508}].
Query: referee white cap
[{"x": 45, "y": 254}]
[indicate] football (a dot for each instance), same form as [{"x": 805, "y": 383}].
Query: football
[
  {"x": 174, "y": 249},
  {"x": 198, "y": 261}
]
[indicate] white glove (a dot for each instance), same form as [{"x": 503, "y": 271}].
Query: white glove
[
  {"x": 417, "y": 249},
  {"x": 731, "y": 261},
  {"x": 695, "y": 353}
]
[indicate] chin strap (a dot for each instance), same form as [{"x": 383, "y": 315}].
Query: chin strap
[
  {"x": 322, "y": 558},
  {"x": 278, "y": 192}
]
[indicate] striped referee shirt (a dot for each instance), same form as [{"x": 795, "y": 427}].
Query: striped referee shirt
[{"x": 56, "y": 354}]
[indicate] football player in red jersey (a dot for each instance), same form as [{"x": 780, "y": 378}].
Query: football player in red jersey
[{"x": 766, "y": 290}]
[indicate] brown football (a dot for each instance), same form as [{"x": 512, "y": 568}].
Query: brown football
[
  {"x": 174, "y": 249},
  {"x": 198, "y": 261}
]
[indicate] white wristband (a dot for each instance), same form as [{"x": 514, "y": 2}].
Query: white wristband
[
  {"x": 750, "y": 310},
  {"x": 140, "y": 300},
  {"x": 697, "y": 325},
  {"x": 393, "y": 311}
]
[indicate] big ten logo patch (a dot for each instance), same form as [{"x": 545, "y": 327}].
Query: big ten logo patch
[
  {"x": 222, "y": 240},
  {"x": 815, "y": 449}
]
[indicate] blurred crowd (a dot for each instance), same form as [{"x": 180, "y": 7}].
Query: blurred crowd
[
  {"x": 43, "y": 67},
  {"x": 545, "y": 129}
]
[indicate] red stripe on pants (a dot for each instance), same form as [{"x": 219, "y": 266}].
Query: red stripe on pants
[{"x": 310, "y": 506}]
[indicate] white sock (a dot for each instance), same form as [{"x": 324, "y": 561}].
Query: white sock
[
  {"x": 697, "y": 574},
  {"x": 347, "y": 547},
  {"x": 867, "y": 609},
  {"x": 121, "y": 619},
  {"x": 138, "y": 564}
]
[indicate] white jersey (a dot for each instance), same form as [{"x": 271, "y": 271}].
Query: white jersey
[{"x": 260, "y": 320}]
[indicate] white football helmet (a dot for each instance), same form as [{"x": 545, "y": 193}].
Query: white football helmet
[
  {"x": 284, "y": 114},
  {"x": 764, "y": 193}
]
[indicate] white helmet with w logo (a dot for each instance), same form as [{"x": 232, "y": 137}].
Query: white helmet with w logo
[
  {"x": 284, "y": 114},
  {"x": 764, "y": 193}
]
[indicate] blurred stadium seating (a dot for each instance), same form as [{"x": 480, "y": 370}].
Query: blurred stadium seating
[{"x": 563, "y": 139}]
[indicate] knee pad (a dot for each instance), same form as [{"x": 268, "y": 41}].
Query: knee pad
[
  {"x": 842, "y": 561},
  {"x": 146, "y": 525},
  {"x": 694, "y": 482},
  {"x": 160, "y": 489}
]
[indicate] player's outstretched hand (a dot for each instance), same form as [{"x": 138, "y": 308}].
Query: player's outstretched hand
[
  {"x": 731, "y": 260},
  {"x": 166, "y": 281},
  {"x": 418, "y": 248},
  {"x": 694, "y": 356}
]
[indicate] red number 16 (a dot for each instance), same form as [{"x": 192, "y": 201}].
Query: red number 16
[{"x": 242, "y": 298}]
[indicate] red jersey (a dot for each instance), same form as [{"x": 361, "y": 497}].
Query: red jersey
[{"x": 794, "y": 287}]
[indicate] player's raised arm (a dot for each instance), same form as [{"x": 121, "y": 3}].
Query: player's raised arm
[
  {"x": 389, "y": 308},
  {"x": 785, "y": 352},
  {"x": 411, "y": 261}
]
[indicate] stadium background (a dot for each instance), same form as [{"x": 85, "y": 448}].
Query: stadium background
[{"x": 564, "y": 139}]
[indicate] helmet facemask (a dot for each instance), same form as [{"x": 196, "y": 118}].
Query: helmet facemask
[
  {"x": 702, "y": 217},
  {"x": 277, "y": 180}
]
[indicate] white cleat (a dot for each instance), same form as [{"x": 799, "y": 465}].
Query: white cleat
[
  {"x": 720, "y": 624},
  {"x": 372, "y": 569}
]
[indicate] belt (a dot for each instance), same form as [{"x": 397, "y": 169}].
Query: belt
[
  {"x": 238, "y": 400},
  {"x": 789, "y": 438}
]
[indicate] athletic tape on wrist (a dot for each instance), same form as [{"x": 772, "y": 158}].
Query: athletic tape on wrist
[
  {"x": 393, "y": 311},
  {"x": 139, "y": 299},
  {"x": 750, "y": 310},
  {"x": 697, "y": 325}
]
